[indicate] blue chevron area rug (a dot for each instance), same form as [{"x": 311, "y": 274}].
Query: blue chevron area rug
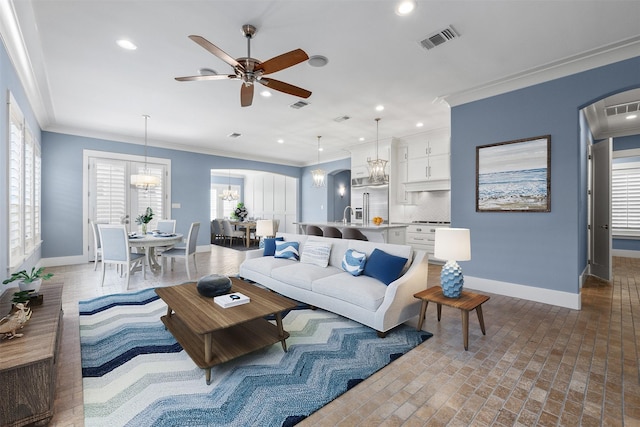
[{"x": 136, "y": 374}]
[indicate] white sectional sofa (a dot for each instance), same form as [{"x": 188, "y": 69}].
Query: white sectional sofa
[{"x": 361, "y": 298}]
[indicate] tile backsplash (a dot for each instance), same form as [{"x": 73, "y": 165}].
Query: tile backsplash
[{"x": 429, "y": 206}]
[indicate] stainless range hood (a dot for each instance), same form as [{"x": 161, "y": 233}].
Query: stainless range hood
[{"x": 366, "y": 182}]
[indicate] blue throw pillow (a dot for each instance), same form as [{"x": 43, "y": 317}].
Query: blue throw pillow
[
  {"x": 383, "y": 266},
  {"x": 288, "y": 250},
  {"x": 270, "y": 245},
  {"x": 353, "y": 262}
]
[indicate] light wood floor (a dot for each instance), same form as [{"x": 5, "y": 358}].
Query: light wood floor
[{"x": 537, "y": 365}]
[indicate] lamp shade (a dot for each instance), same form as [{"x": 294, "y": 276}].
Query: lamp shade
[
  {"x": 264, "y": 227},
  {"x": 453, "y": 244}
]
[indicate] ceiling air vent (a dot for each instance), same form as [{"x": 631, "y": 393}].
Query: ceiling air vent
[
  {"x": 629, "y": 107},
  {"x": 341, "y": 119},
  {"x": 299, "y": 105},
  {"x": 439, "y": 37},
  {"x": 234, "y": 135}
]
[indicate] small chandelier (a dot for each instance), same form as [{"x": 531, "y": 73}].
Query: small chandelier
[
  {"x": 229, "y": 195},
  {"x": 377, "y": 174},
  {"x": 145, "y": 180},
  {"x": 318, "y": 175}
]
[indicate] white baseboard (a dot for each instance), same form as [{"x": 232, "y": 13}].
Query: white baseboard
[
  {"x": 531, "y": 293},
  {"x": 82, "y": 259},
  {"x": 626, "y": 253}
]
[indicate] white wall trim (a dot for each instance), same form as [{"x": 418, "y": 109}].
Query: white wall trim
[
  {"x": 626, "y": 253},
  {"x": 63, "y": 260},
  {"x": 531, "y": 293}
]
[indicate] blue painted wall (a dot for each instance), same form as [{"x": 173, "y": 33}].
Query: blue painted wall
[
  {"x": 626, "y": 143},
  {"x": 545, "y": 250},
  {"x": 62, "y": 157},
  {"x": 314, "y": 202}
]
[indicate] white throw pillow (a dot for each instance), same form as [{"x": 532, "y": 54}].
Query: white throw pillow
[{"x": 316, "y": 253}]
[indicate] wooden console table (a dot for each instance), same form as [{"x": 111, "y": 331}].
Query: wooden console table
[
  {"x": 468, "y": 301},
  {"x": 28, "y": 364}
]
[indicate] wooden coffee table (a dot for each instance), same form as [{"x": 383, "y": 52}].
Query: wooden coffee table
[
  {"x": 211, "y": 334},
  {"x": 468, "y": 301}
]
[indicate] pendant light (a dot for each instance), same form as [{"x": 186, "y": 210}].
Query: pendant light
[
  {"x": 318, "y": 175},
  {"x": 145, "y": 180},
  {"x": 377, "y": 174},
  {"x": 229, "y": 195}
]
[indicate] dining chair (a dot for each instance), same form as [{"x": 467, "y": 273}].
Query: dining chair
[
  {"x": 184, "y": 252},
  {"x": 166, "y": 226},
  {"x": 313, "y": 230},
  {"x": 353, "y": 233},
  {"x": 276, "y": 226},
  {"x": 230, "y": 233},
  {"x": 216, "y": 230},
  {"x": 115, "y": 250},
  {"x": 332, "y": 232},
  {"x": 97, "y": 246}
]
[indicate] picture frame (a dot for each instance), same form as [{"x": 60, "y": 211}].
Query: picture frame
[{"x": 514, "y": 176}]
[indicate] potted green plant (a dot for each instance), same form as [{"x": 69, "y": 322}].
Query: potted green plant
[
  {"x": 29, "y": 282},
  {"x": 145, "y": 219}
]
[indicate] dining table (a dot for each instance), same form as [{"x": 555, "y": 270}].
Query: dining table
[
  {"x": 149, "y": 242},
  {"x": 248, "y": 226}
]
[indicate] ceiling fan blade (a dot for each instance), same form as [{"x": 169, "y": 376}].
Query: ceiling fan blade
[
  {"x": 283, "y": 61},
  {"x": 216, "y": 51},
  {"x": 246, "y": 95},
  {"x": 285, "y": 87},
  {"x": 207, "y": 77}
]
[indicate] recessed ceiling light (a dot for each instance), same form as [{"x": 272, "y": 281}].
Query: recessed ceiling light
[
  {"x": 320, "y": 149},
  {"x": 631, "y": 116},
  {"x": 405, "y": 7},
  {"x": 318, "y": 61},
  {"x": 419, "y": 124},
  {"x": 126, "y": 44},
  {"x": 379, "y": 107},
  {"x": 361, "y": 138},
  {"x": 281, "y": 141},
  {"x": 265, "y": 93}
]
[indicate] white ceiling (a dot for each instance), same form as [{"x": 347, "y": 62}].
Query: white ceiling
[{"x": 80, "y": 82}]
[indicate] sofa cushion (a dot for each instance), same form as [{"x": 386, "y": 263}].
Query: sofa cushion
[
  {"x": 303, "y": 275},
  {"x": 363, "y": 291},
  {"x": 269, "y": 245},
  {"x": 353, "y": 262},
  {"x": 316, "y": 253},
  {"x": 265, "y": 265},
  {"x": 383, "y": 266},
  {"x": 404, "y": 251},
  {"x": 287, "y": 250}
]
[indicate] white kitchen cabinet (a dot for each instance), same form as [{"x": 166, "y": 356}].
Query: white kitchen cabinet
[
  {"x": 429, "y": 168},
  {"x": 401, "y": 176},
  {"x": 423, "y": 237},
  {"x": 429, "y": 146}
]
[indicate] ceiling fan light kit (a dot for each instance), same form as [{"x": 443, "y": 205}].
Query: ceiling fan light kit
[{"x": 250, "y": 70}]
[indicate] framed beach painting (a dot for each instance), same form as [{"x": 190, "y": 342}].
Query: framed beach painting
[{"x": 514, "y": 176}]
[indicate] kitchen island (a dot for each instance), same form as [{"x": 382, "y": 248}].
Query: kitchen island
[{"x": 383, "y": 233}]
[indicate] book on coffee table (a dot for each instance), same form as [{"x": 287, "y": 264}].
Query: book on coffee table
[{"x": 231, "y": 300}]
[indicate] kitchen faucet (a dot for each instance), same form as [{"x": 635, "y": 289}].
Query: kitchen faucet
[{"x": 344, "y": 214}]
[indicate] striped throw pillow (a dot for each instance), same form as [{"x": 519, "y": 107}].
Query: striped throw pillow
[
  {"x": 316, "y": 253},
  {"x": 288, "y": 250},
  {"x": 353, "y": 262}
]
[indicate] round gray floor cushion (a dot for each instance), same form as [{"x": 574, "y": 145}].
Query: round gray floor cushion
[{"x": 213, "y": 285}]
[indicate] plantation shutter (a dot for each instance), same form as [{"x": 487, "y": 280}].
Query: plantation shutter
[
  {"x": 625, "y": 196},
  {"x": 152, "y": 197},
  {"x": 37, "y": 194},
  {"x": 110, "y": 190},
  {"x": 16, "y": 128},
  {"x": 28, "y": 190}
]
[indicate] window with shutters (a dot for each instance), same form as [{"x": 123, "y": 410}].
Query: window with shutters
[
  {"x": 625, "y": 196},
  {"x": 24, "y": 175},
  {"x": 112, "y": 198}
]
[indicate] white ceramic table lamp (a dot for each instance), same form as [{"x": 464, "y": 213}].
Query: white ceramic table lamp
[{"x": 452, "y": 245}]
